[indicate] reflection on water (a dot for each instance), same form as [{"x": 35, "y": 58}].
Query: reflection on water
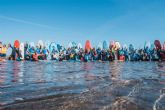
[{"x": 93, "y": 85}]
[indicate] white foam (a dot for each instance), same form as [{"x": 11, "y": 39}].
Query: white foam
[
  {"x": 157, "y": 101},
  {"x": 134, "y": 90},
  {"x": 131, "y": 92}
]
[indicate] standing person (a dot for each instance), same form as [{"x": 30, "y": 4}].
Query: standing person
[
  {"x": 44, "y": 54},
  {"x": 126, "y": 54},
  {"x": 86, "y": 56},
  {"x": 104, "y": 55},
  {"x": 111, "y": 55},
  {"x": 18, "y": 55},
  {"x": 13, "y": 53},
  {"x": 3, "y": 51},
  {"x": 35, "y": 56},
  {"x": 55, "y": 56},
  {"x": 94, "y": 54},
  {"x": 98, "y": 51}
]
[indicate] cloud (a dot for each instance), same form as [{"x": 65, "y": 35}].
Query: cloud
[{"x": 27, "y": 22}]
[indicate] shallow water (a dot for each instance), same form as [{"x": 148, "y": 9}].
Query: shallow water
[{"x": 87, "y": 86}]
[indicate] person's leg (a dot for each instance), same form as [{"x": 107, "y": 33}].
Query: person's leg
[{"x": 3, "y": 56}]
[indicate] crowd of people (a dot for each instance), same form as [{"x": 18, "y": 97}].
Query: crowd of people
[{"x": 154, "y": 52}]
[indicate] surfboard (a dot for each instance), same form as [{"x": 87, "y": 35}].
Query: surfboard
[
  {"x": 164, "y": 46},
  {"x": 70, "y": 45},
  {"x": 79, "y": 46},
  {"x": 88, "y": 46},
  {"x": 9, "y": 51},
  {"x": 41, "y": 43},
  {"x": 62, "y": 47},
  {"x": 100, "y": 46},
  {"x": 32, "y": 44},
  {"x": 22, "y": 50},
  {"x": 48, "y": 52},
  {"x": 147, "y": 44},
  {"x": 47, "y": 45},
  {"x": 105, "y": 45},
  {"x": 117, "y": 45},
  {"x": 152, "y": 46},
  {"x": 74, "y": 44},
  {"x": 131, "y": 47},
  {"x": 59, "y": 47},
  {"x": 125, "y": 46},
  {"x": 16, "y": 44},
  {"x": 53, "y": 45},
  {"x": 157, "y": 44},
  {"x": 112, "y": 44}
]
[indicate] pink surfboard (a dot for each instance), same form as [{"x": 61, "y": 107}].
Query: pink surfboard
[
  {"x": 164, "y": 46},
  {"x": 158, "y": 44}
]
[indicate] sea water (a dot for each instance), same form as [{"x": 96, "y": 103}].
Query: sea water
[{"x": 85, "y": 85}]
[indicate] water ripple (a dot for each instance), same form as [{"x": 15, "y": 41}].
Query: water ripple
[{"x": 93, "y": 85}]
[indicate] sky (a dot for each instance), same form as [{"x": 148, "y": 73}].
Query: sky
[{"x": 62, "y": 21}]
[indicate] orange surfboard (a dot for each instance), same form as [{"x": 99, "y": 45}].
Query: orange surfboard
[
  {"x": 88, "y": 46},
  {"x": 16, "y": 44}
]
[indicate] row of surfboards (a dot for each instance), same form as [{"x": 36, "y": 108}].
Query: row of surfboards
[
  {"x": 48, "y": 45},
  {"x": 52, "y": 45},
  {"x": 105, "y": 45},
  {"x": 102, "y": 45}
]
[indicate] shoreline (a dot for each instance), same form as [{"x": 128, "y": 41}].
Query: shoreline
[{"x": 28, "y": 104}]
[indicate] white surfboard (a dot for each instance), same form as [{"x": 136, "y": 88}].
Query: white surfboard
[
  {"x": 32, "y": 44},
  {"x": 125, "y": 46},
  {"x": 70, "y": 45},
  {"x": 53, "y": 45},
  {"x": 47, "y": 45},
  {"x": 9, "y": 51},
  {"x": 100, "y": 45},
  {"x": 152, "y": 46},
  {"x": 22, "y": 50},
  {"x": 41, "y": 43},
  {"x": 117, "y": 45},
  {"x": 79, "y": 46},
  {"x": 74, "y": 44},
  {"x": 148, "y": 44}
]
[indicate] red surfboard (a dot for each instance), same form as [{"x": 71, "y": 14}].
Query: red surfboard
[
  {"x": 16, "y": 44},
  {"x": 88, "y": 46}
]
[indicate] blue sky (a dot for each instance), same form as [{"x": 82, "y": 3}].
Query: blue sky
[{"x": 127, "y": 21}]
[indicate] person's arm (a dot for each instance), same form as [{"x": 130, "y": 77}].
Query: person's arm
[
  {"x": 12, "y": 47},
  {"x": 41, "y": 54}
]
